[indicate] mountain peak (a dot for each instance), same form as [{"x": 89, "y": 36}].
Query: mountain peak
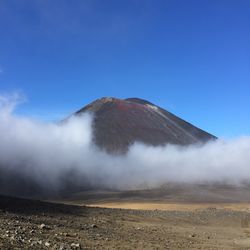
[{"x": 118, "y": 123}]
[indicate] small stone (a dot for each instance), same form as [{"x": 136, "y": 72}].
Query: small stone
[
  {"x": 192, "y": 235},
  {"x": 47, "y": 244},
  {"x": 75, "y": 245},
  {"x": 61, "y": 247},
  {"x": 94, "y": 226},
  {"x": 42, "y": 226}
]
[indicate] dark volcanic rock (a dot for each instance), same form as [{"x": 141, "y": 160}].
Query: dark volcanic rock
[{"x": 119, "y": 123}]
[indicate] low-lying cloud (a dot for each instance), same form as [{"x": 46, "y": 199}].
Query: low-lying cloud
[{"x": 51, "y": 157}]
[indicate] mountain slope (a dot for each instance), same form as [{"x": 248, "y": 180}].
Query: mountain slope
[{"x": 118, "y": 123}]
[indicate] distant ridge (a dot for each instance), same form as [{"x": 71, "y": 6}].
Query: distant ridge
[{"x": 118, "y": 123}]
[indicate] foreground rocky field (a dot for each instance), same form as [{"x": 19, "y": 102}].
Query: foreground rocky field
[{"x": 27, "y": 224}]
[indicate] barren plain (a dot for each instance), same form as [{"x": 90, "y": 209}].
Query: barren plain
[{"x": 173, "y": 217}]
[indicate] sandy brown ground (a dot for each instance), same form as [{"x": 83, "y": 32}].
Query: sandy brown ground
[
  {"x": 173, "y": 206},
  {"x": 155, "y": 222}
]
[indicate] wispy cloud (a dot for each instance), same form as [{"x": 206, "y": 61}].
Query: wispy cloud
[
  {"x": 79, "y": 17},
  {"x": 56, "y": 156}
]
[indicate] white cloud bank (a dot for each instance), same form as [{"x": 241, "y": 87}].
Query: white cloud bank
[{"x": 55, "y": 156}]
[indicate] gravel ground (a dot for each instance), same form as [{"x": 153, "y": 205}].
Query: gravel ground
[{"x": 30, "y": 224}]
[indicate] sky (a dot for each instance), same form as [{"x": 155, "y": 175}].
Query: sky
[{"x": 189, "y": 57}]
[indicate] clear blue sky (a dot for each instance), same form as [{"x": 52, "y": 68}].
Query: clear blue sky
[{"x": 190, "y": 57}]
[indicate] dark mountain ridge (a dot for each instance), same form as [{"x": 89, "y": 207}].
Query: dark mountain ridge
[{"x": 118, "y": 123}]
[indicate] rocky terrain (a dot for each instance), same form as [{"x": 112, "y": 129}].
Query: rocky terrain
[
  {"x": 118, "y": 123},
  {"x": 30, "y": 224}
]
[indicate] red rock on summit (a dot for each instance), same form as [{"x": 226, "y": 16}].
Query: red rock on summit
[{"x": 118, "y": 123}]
